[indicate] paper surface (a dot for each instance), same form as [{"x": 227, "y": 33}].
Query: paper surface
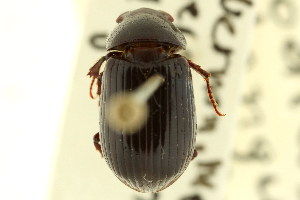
[
  {"x": 266, "y": 156},
  {"x": 218, "y": 34}
]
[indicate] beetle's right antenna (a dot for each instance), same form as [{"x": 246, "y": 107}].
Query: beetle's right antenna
[{"x": 206, "y": 78}]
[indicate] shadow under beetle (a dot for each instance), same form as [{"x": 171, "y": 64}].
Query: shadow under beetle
[{"x": 145, "y": 43}]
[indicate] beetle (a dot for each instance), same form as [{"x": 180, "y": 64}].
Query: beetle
[{"x": 145, "y": 42}]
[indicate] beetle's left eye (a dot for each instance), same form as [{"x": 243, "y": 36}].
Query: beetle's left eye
[
  {"x": 167, "y": 15},
  {"x": 121, "y": 17}
]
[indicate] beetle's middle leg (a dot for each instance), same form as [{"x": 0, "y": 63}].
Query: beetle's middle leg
[
  {"x": 206, "y": 76},
  {"x": 96, "y": 140}
]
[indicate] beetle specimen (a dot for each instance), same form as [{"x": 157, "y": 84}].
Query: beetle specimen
[{"x": 142, "y": 47}]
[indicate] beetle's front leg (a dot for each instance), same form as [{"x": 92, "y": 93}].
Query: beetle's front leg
[
  {"x": 96, "y": 140},
  {"x": 94, "y": 73},
  {"x": 95, "y": 70},
  {"x": 206, "y": 76}
]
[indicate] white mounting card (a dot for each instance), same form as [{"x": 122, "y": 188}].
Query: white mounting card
[{"x": 219, "y": 34}]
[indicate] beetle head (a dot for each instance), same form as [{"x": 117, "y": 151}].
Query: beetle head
[{"x": 142, "y": 26}]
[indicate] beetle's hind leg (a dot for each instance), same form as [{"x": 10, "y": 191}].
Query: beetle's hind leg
[
  {"x": 206, "y": 76},
  {"x": 195, "y": 154},
  {"x": 96, "y": 139}
]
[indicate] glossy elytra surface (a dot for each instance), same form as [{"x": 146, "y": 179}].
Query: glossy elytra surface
[{"x": 155, "y": 156}]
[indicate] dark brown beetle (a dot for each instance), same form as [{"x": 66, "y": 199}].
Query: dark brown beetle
[{"x": 153, "y": 157}]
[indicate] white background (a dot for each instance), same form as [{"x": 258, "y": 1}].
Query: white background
[{"x": 38, "y": 43}]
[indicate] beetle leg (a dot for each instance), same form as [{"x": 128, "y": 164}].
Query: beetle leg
[
  {"x": 96, "y": 139},
  {"x": 206, "y": 76},
  {"x": 195, "y": 154},
  {"x": 99, "y": 81},
  {"x": 94, "y": 72}
]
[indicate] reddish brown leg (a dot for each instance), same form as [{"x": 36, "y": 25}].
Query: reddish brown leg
[
  {"x": 195, "y": 154},
  {"x": 94, "y": 73},
  {"x": 206, "y": 76},
  {"x": 96, "y": 139},
  {"x": 99, "y": 81},
  {"x": 95, "y": 70}
]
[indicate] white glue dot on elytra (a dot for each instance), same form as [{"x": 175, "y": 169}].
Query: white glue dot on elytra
[{"x": 128, "y": 112}]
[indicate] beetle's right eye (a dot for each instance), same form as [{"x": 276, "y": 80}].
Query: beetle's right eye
[{"x": 121, "y": 17}]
